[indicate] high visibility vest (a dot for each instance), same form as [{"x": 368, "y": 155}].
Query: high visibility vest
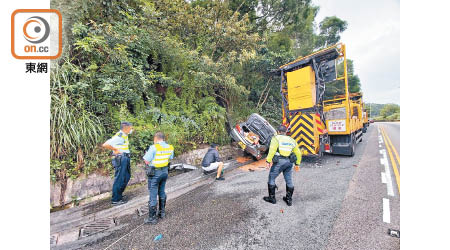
[
  {"x": 285, "y": 144},
  {"x": 162, "y": 156},
  {"x": 125, "y": 145}
]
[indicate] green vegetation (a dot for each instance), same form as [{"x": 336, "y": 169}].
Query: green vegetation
[
  {"x": 390, "y": 111},
  {"x": 191, "y": 69}
]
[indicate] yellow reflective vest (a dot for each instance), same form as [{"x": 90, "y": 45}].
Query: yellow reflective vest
[
  {"x": 125, "y": 146},
  {"x": 162, "y": 156},
  {"x": 285, "y": 145}
]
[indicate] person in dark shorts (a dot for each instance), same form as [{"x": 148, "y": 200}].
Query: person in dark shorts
[{"x": 211, "y": 162}]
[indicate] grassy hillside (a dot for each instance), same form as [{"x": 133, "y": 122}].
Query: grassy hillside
[{"x": 388, "y": 111}]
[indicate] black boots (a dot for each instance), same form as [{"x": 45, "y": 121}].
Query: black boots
[
  {"x": 153, "y": 213},
  {"x": 271, "y": 197},
  {"x": 151, "y": 216},
  {"x": 162, "y": 208},
  {"x": 288, "y": 197}
]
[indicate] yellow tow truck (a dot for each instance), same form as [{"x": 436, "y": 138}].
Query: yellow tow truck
[
  {"x": 345, "y": 123},
  {"x": 366, "y": 122},
  {"x": 320, "y": 124}
]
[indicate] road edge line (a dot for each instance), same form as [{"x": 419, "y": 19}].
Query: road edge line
[{"x": 386, "y": 211}]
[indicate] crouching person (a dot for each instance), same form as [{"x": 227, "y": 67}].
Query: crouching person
[
  {"x": 211, "y": 161},
  {"x": 157, "y": 168}
]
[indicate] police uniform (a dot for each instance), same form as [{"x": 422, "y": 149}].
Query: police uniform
[
  {"x": 121, "y": 164},
  {"x": 158, "y": 155},
  {"x": 281, "y": 152}
]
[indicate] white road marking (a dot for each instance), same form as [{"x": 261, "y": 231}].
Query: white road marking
[
  {"x": 124, "y": 236},
  {"x": 384, "y": 161},
  {"x": 386, "y": 211},
  {"x": 386, "y": 179},
  {"x": 383, "y": 178}
]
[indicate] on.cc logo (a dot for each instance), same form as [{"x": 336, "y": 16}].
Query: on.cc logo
[
  {"x": 36, "y": 34},
  {"x": 39, "y": 26}
]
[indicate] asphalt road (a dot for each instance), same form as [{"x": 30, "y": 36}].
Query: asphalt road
[
  {"x": 339, "y": 202},
  {"x": 393, "y": 132}
]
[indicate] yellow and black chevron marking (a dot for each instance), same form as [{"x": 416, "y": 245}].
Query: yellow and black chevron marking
[{"x": 302, "y": 130}]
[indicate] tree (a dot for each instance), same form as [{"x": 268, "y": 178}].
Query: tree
[
  {"x": 376, "y": 108},
  {"x": 245, "y": 7},
  {"x": 330, "y": 30},
  {"x": 279, "y": 42},
  {"x": 389, "y": 110}
]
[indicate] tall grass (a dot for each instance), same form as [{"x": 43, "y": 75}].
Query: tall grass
[
  {"x": 74, "y": 131},
  {"x": 72, "y": 128}
]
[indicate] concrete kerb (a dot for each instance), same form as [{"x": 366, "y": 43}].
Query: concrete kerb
[{"x": 74, "y": 218}]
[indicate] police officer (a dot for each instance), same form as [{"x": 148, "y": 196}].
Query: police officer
[
  {"x": 157, "y": 168},
  {"x": 283, "y": 152},
  {"x": 121, "y": 162}
]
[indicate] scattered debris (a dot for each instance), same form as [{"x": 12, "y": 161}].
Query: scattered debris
[
  {"x": 159, "y": 237},
  {"x": 317, "y": 165},
  {"x": 182, "y": 167},
  {"x": 257, "y": 165},
  {"x": 243, "y": 159},
  {"x": 142, "y": 210},
  {"x": 54, "y": 240},
  {"x": 394, "y": 233}
]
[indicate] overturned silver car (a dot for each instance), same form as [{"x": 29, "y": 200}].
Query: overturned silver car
[{"x": 254, "y": 135}]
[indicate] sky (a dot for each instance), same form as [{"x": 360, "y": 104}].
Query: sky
[{"x": 372, "y": 40}]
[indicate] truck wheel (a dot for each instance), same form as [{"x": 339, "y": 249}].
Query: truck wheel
[{"x": 352, "y": 145}]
